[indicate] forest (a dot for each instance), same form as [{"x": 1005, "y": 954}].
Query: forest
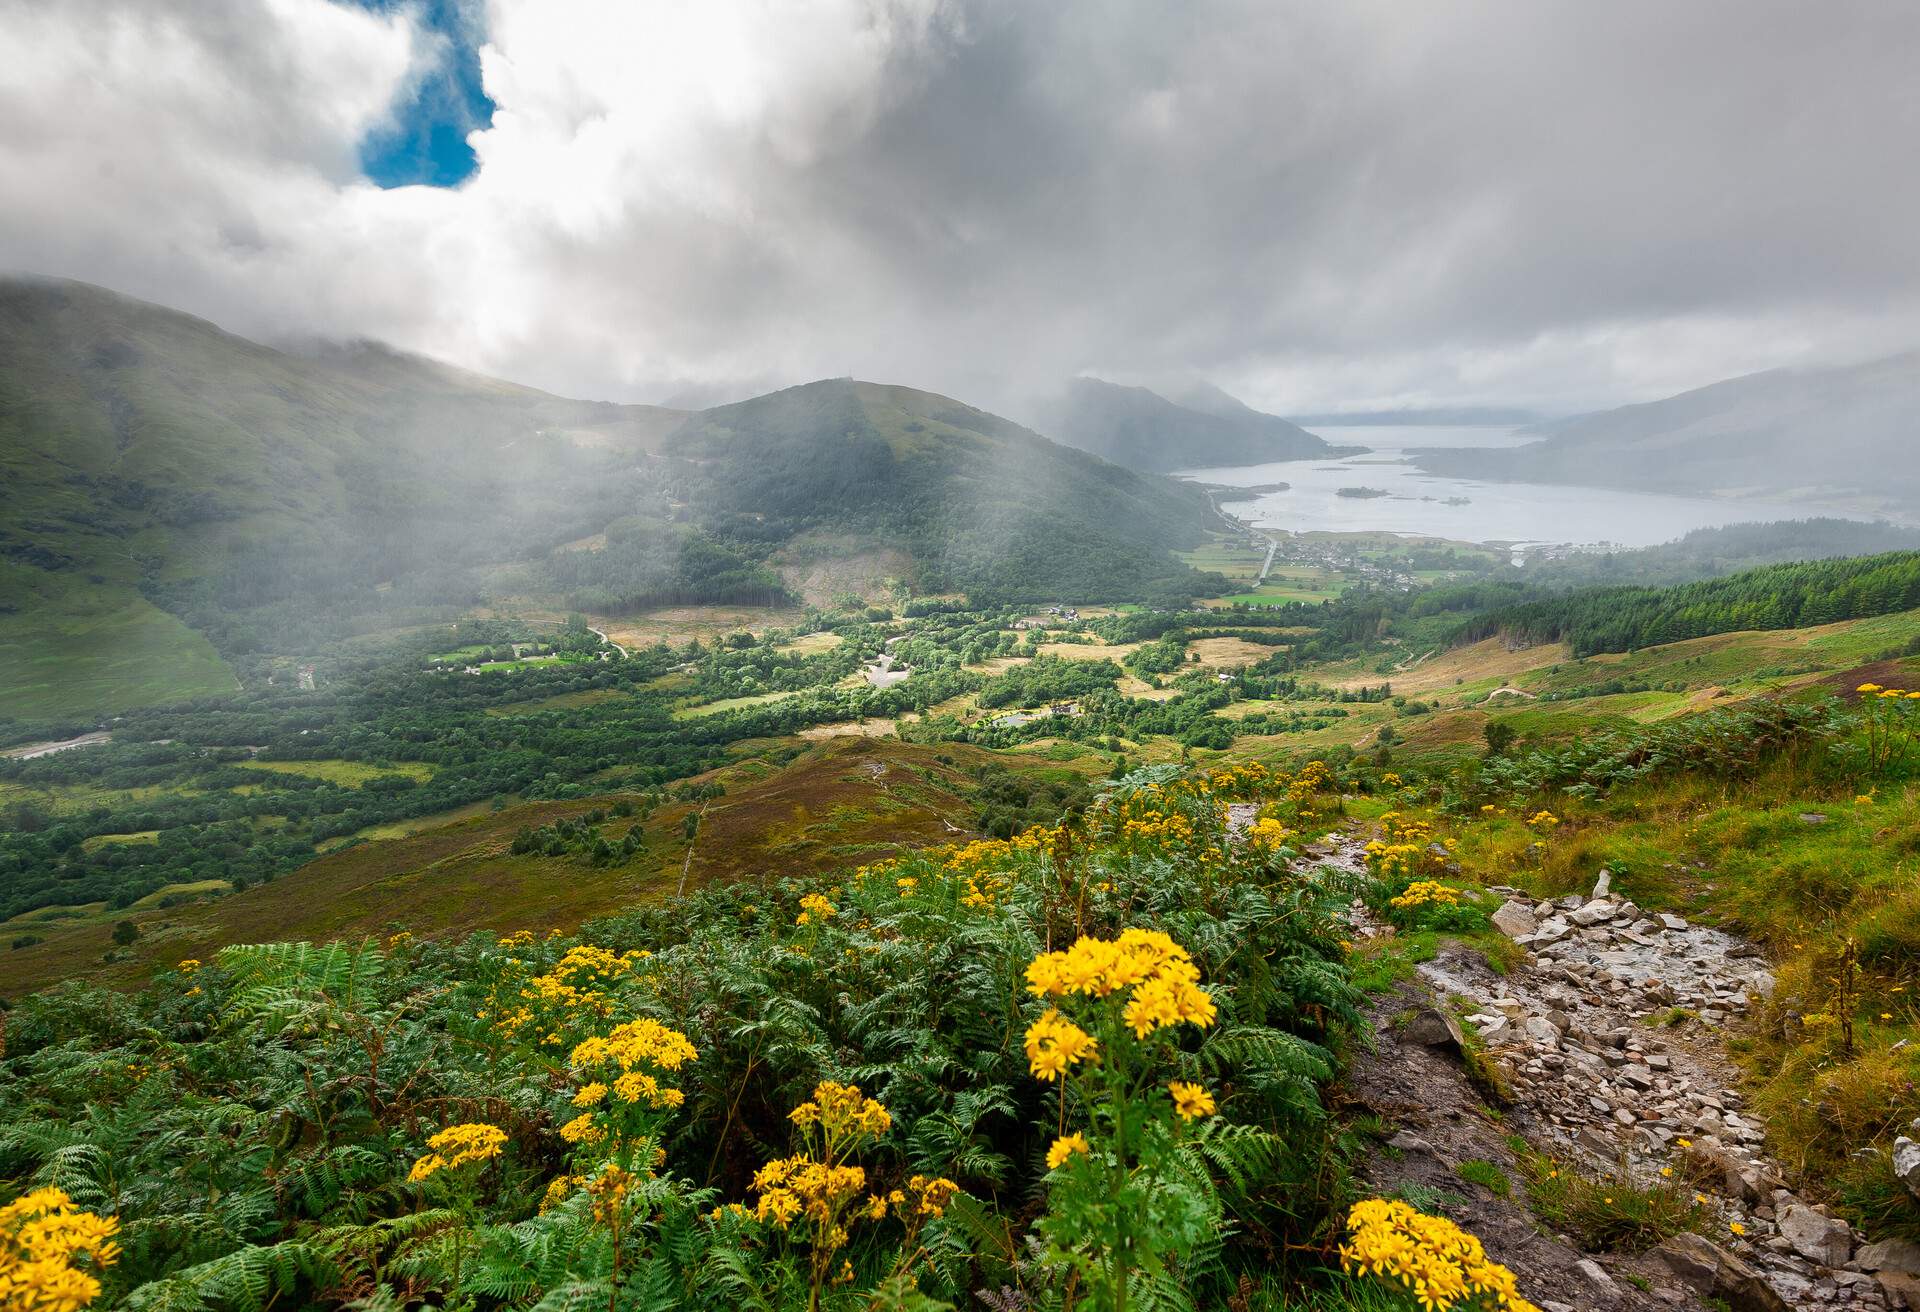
[{"x": 1777, "y": 597}]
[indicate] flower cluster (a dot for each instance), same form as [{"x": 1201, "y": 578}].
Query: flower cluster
[
  {"x": 1405, "y": 849},
  {"x": 841, "y": 1110},
  {"x": 1267, "y": 834},
  {"x": 1164, "y": 983},
  {"x": 1055, "y": 1045},
  {"x": 814, "y": 909},
  {"x": 1426, "y": 893},
  {"x": 624, "y": 1071},
  {"x": 1157, "y": 828},
  {"x": 815, "y": 1195},
  {"x": 981, "y": 866},
  {"x": 1543, "y": 820},
  {"x": 1313, "y": 777},
  {"x": 1442, "y": 1265},
  {"x": 543, "y": 1007},
  {"x": 458, "y": 1145},
  {"x": 1065, "y": 1148},
  {"x": 1236, "y": 780},
  {"x": 50, "y": 1252},
  {"x": 1892, "y": 718}
]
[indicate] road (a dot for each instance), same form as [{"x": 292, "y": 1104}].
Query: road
[
  {"x": 1273, "y": 543},
  {"x": 601, "y": 634},
  {"x": 31, "y": 751}
]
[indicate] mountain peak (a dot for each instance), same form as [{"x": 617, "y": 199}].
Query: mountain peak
[{"x": 1143, "y": 429}]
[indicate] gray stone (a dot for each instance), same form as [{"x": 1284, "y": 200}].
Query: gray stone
[
  {"x": 1901, "y": 1289},
  {"x": 1409, "y": 1142},
  {"x": 1593, "y": 913},
  {"x": 1432, "y": 1028},
  {"x": 1824, "y": 1239},
  {"x": 1552, "y": 930},
  {"x": 1890, "y": 1255},
  {"x": 1694, "y": 1261},
  {"x": 1514, "y": 919},
  {"x": 1906, "y": 1164},
  {"x": 1672, "y": 922},
  {"x": 1596, "y": 1273}
]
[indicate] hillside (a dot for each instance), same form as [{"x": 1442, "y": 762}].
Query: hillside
[
  {"x": 843, "y": 802},
  {"x": 1141, "y": 429},
  {"x": 981, "y": 504},
  {"x": 1777, "y": 597},
  {"x": 1848, "y": 435},
  {"x": 181, "y": 509},
  {"x": 160, "y": 478}
]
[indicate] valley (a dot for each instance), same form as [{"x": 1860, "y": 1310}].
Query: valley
[{"x": 809, "y": 726}]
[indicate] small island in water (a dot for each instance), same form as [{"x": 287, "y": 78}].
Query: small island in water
[{"x": 1361, "y": 492}]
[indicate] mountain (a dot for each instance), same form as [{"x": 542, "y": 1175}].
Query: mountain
[
  {"x": 160, "y": 478},
  {"x": 181, "y": 507},
  {"x": 981, "y": 504},
  {"x": 1144, "y": 430},
  {"x": 1843, "y": 434}
]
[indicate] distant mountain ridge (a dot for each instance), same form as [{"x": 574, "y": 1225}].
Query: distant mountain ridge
[
  {"x": 177, "y": 501},
  {"x": 1840, "y": 434},
  {"x": 1143, "y": 429},
  {"x": 982, "y": 503},
  {"x": 1466, "y": 416}
]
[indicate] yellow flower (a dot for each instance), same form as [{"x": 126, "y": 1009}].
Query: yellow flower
[
  {"x": 1054, "y": 1044},
  {"x": 1441, "y": 1265},
  {"x": 1736, "y": 1227},
  {"x": 1190, "y": 1100},
  {"x": 457, "y": 1145},
  {"x": 1065, "y": 1147},
  {"x": 50, "y": 1251}
]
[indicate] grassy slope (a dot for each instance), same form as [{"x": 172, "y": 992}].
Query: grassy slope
[
  {"x": 1796, "y": 859},
  {"x": 73, "y": 646},
  {"x": 840, "y": 803},
  {"x": 979, "y": 502},
  {"x": 142, "y": 446}
]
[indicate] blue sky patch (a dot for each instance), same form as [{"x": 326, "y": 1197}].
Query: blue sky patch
[{"x": 426, "y": 143}]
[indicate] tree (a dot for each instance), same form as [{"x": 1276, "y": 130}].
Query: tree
[
  {"x": 125, "y": 932},
  {"x": 1499, "y": 735}
]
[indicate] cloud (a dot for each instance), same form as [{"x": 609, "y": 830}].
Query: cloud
[{"x": 1557, "y": 204}]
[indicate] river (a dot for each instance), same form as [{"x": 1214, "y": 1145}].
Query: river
[{"x": 1464, "y": 509}]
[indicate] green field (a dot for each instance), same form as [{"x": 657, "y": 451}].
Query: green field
[
  {"x": 348, "y": 774},
  {"x": 91, "y": 651}
]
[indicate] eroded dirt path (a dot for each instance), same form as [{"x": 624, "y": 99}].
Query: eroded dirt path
[{"x": 1587, "y": 1069}]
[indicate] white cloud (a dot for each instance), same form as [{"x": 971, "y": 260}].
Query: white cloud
[{"x": 1558, "y": 203}]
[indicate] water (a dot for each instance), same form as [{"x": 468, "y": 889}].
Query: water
[{"x": 1464, "y": 509}]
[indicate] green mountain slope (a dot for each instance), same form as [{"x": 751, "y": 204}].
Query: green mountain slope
[
  {"x": 1847, "y": 434},
  {"x": 181, "y": 508},
  {"x": 1140, "y": 429},
  {"x": 982, "y": 504},
  {"x": 155, "y": 468}
]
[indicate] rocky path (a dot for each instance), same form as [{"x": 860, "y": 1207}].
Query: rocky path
[{"x": 1609, "y": 1042}]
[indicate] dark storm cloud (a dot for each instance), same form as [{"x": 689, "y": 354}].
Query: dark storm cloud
[{"x": 1561, "y": 204}]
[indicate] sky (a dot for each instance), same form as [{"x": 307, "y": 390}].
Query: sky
[{"x": 1339, "y": 205}]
